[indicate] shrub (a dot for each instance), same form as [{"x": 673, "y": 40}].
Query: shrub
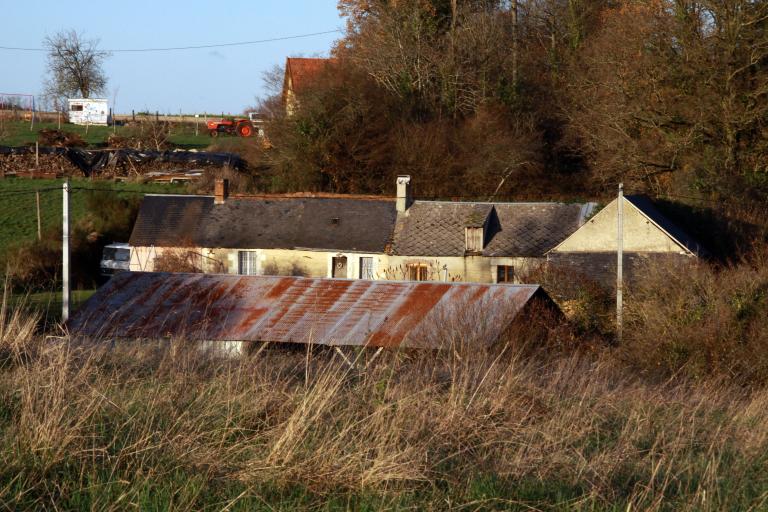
[
  {"x": 179, "y": 260},
  {"x": 700, "y": 321}
]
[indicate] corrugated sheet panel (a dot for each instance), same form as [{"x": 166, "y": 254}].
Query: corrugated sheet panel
[{"x": 299, "y": 310}]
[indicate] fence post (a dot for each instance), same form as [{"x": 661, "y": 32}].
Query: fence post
[{"x": 39, "y": 224}]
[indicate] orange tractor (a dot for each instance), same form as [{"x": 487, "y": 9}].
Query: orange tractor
[{"x": 241, "y": 127}]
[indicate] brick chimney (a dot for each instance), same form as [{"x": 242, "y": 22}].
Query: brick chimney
[
  {"x": 404, "y": 198},
  {"x": 220, "y": 191}
]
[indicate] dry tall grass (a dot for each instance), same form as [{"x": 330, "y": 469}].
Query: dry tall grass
[{"x": 155, "y": 425}]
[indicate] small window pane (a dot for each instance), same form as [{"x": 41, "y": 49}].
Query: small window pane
[
  {"x": 505, "y": 274},
  {"x": 246, "y": 263},
  {"x": 418, "y": 272}
]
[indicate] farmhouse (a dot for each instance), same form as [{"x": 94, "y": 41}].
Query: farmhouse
[
  {"x": 233, "y": 310},
  {"x": 380, "y": 238},
  {"x": 305, "y": 235}
]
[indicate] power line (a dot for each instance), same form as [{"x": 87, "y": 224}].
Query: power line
[
  {"x": 191, "y": 47},
  {"x": 119, "y": 191},
  {"x": 21, "y": 192}
]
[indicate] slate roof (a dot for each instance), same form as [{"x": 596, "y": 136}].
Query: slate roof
[
  {"x": 436, "y": 228},
  {"x": 429, "y": 228},
  {"x": 362, "y": 225},
  {"x": 169, "y": 221}
]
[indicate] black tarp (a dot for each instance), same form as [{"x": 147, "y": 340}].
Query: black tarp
[{"x": 91, "y": 161}]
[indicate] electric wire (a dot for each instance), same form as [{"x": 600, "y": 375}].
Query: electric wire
[
  {"x": 190, "y": 47},
  {"x": 32, "y": 191}
]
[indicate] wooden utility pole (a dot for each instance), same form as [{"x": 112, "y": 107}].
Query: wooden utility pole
[
  {"x": 620, "y": 262},
  {"x": 37, "y": 155},
  {"x": 65, "y": 296},
  {"x": 39, "y": 224}
]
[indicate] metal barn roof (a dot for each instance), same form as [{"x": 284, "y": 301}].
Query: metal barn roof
[{"x": 300, "y": 310}]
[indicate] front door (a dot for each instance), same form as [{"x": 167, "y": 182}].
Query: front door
[{"x": 339, "y": 267}]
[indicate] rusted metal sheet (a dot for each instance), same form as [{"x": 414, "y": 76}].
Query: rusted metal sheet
[{"x": 299, "y": 310}]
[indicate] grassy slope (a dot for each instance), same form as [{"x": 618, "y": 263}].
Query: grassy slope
[
  {"x": 142, "y": 427},
  {"x": 18, "y": 211},
  {"x": 18, "y": 133}
]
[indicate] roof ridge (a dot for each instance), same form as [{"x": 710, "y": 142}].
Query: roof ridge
[
  {"x": 313, "y": 195},
  {"x": 445, "y": 201}
]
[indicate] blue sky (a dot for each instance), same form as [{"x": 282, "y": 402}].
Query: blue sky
[{"x": 213, "y": 80}]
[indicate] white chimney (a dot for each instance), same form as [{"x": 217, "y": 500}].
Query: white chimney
[{"x": 404, "y": 198}]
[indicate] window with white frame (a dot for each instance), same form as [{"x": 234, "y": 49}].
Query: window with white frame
[
  {"x": 366, "y": 267},
  {"x": 246, "y": 263}
]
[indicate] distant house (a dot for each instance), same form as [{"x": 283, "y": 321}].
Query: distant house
[
  {"x": 300, "y": 75},
  {"x": 380, "y": 238},
  {"x": 88, "y": 111}
]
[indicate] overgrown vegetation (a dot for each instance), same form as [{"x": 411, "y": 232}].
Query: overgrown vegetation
[
  {"x": 542, "y": 99},
  {"x": 696, "y": 321},
  {"x": 532, "y": 424}
]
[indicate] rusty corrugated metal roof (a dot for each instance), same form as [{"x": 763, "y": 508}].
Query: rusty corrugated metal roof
[{"x": 299, "y": 310}]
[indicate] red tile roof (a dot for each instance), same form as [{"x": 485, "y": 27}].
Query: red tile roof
[{"x": 304, "y": 72}]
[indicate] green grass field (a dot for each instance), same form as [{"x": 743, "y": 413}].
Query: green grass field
[
  {"x": 18, "y": 217},
  {"x": 18, "y": 133}
]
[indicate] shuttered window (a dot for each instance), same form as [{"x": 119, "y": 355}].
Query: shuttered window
[
  {"x": 474, "y": 239},
  {"x": 246, "y": 263}
]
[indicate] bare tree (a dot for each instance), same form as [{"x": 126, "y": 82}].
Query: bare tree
[{"x": 75, "y": 66}]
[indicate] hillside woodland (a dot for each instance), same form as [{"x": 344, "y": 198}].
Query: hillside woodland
[{"x": 535, "y": 99}]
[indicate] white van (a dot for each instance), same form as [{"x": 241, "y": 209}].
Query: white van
[{"x": 116, "y": 258}]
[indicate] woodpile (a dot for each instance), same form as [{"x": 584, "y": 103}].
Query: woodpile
[
  {"x": 48, "y": 164},
  {"x": 60, "y": 139}
]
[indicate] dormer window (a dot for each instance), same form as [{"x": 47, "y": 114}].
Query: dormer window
[
  {"x": 479, "y": 227},
  {"x": 474, "y": 239}
]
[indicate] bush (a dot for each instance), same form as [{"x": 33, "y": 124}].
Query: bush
[
  {"x": 179, "y": 260},
  {"x": 700, "y": 321},
  {"x": 35, "y": 265}
]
